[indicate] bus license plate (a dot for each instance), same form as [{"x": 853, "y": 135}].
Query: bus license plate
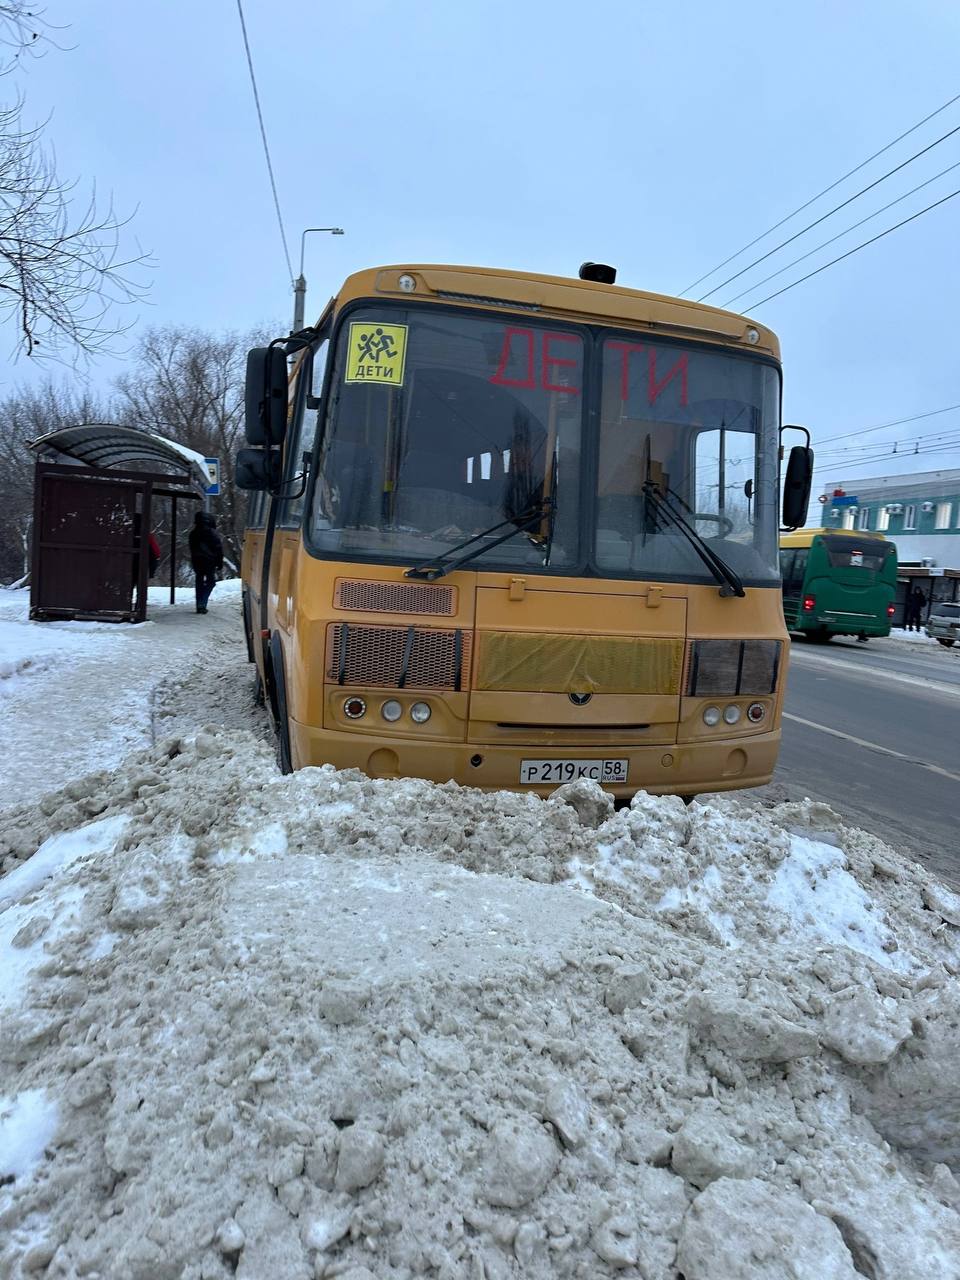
[{"x": 569, "y": 770}]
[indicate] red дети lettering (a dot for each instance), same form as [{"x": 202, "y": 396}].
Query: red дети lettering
[
  {"x": 654, "y": 387},
  {"x": 559, "y": 361},
  {"x": 626, "y": 348},
  {"x": 499, "y": 377},
  {"x": 548, "y": 363}
]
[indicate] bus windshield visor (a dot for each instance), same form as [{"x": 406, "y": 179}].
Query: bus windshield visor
[
  {"x": 442, "y": 426},
  {"x": 696, "y": 430}
]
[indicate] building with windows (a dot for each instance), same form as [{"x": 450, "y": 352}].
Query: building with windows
[{"x": 919, "y": 512}]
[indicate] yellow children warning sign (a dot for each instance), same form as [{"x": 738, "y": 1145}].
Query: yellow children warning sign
[{"x": 376, "y": 353}]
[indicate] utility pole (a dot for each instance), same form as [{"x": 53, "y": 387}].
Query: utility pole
[{"x": 300, "y": 284}]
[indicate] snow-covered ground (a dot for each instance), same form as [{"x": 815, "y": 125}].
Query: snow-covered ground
[
  {"x": 75, "y": 696},
  {"x": 322, "y": 1026}
]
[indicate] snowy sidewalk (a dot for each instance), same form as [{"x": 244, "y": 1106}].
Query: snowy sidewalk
[{"x": 76, "y": 696}]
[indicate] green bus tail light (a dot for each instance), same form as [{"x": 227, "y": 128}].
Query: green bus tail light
[{"x": 809, "y": 604}]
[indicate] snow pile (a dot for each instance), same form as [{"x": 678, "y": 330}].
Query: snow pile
[{"x": 323, "y": 1026}]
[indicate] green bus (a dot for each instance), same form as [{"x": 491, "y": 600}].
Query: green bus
[{"x": 838, "y": 582}]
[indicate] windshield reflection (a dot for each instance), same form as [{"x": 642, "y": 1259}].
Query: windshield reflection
[{"x": 439, "y": 427}]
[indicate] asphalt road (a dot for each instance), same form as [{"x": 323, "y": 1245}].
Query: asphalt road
[{"x": 874, "y": 730}]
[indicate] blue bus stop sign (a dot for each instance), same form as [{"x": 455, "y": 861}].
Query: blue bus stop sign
[{"x": 213, "y": 466}]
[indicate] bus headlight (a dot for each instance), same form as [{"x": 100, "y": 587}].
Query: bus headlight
[
  {"x": 711, "y": 716},
  {"x": 755, "y": 712},
  {"x": 420, "y": 713},
  {"x": 391, "y": 710},
  {"x": 731, "y": 714},
  {"x": 354, "y": 708}
]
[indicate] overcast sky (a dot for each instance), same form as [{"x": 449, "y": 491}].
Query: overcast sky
[{"x": 533, "y": 134}]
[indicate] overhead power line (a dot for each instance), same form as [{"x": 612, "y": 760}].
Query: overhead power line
[
  {"x": 266, "y": 147},
  {"x": 826, "y": 190},
  {"x": 944, "y": 437},
  {"x": 853, "y": 463},
  {"x": 897, "y": 422},
  {"x": 830, "y": 212},
  {"x": 873, "y": 239},
  {"x": 840, "y": 234}
]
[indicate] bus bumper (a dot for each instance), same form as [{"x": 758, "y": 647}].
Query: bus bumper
[{"x": 724, "y": 764}]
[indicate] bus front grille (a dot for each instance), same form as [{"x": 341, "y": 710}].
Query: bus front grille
[
  {"x": 397, "y": 657},
  {"x": 366, "y": 596}
]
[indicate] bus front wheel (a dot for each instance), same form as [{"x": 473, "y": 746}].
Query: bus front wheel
[
  {"x": 281, "y": 721},
  {"x": 947, "y": 644}
]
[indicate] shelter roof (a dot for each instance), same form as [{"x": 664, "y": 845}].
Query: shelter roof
[{"x": 106, "y": 446}]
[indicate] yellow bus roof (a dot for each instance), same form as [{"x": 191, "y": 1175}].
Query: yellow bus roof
[
  {"x": 561, "y": 297},
  {"x": 805, "y": 537}
]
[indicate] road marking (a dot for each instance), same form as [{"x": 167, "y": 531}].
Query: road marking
[
  {"x": 867, "y": 673},
  {"x": 872, "y": 746}
]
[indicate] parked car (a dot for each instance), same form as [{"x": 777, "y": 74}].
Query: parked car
[{"x": 944, "y": 623}]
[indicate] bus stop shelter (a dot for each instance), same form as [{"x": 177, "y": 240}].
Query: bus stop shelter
[{"x": 94, "y": 490}]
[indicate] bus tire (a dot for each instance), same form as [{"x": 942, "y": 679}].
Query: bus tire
[
  {"x": 259, "y": 699},
  {"x": 947, "y": 644},
  {"x": 688, "y": 798},
  {"x": 821, "y": 636},
  {"x": 281, "y": 722}
]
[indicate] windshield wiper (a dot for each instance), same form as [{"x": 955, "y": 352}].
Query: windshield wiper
[
  {"x": 432, "y": 569},
  {"x": 730, "y": 583}
]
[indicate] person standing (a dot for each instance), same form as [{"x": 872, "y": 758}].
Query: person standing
[
  {"x": 206, "y": 556},
  {"x": 915, "y": 609}
]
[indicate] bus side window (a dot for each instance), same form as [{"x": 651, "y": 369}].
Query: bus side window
[
  {"x": 725, "y": 461},
  {"x": 300, "y": 444}
]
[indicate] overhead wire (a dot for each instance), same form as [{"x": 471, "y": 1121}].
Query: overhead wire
[
  {"x": 840, "y": 234},
  {"x": 830, "y": 212},
  {"x": 856, "y": 249},
  {"x": 897, "y": 422},
  {"x": 266, "y": 145},
  {"x": 887, "y": 452},
  {"x": 896, "y": 446},
  {"x": 826, "y": 190}
]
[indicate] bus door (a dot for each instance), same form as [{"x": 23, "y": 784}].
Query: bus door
[{"x": 793, "y": 567}]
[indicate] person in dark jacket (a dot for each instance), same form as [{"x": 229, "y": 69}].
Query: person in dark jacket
[
  {"x": 916, "y": 602},
  {"x": 206, "y": 556}
]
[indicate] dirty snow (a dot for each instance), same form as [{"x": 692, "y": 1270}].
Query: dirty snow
[
  {"x": 424, "y": 1030},
  {"x": 321, "y": 1026}
]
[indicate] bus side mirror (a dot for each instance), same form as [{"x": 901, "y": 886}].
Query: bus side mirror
[
  {"x": 258, "y": 469},
  {"x": 265, "y": 408},
  {"x": 796, "y": 486}
]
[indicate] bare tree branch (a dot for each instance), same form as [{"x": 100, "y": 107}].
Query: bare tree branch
[
  {"x": 63, "y": 274},
  {"x": 188, "y": 385}
]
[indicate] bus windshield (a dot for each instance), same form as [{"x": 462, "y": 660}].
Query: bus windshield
[
  {"x": 442, "y": 425},
  {"x": 856, "y": 553}
]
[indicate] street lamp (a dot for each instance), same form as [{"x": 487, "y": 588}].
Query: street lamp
[{"x": 300, "y": 284}]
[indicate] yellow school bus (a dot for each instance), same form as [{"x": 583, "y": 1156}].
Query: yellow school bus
[{"x": 515, "y": 529}]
